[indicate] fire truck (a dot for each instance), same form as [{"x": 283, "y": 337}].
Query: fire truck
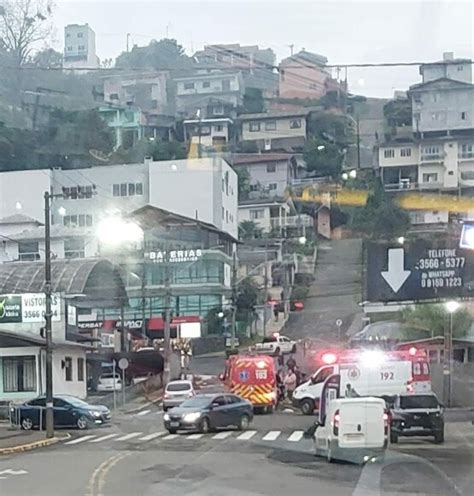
[
  {"x": 253, "y": 377},
  {"x": 366, "y": 372}
]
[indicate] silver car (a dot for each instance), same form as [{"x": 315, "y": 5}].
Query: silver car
[{"x": 176, "y": 392}]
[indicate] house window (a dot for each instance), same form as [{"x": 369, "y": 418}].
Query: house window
[
  {"x": 116, "y": 190},
  {"x": 69, "y": 48},
  {"x": 68, "y": 368},
  {"x": 430, "y": 177},
  {"x": 226, "y": 85},
  {"x": 257, "y": 214},
  {"x": 80, "y": 35},
  {"x": 131, "y": 189},
  {"x": 254, "y": 187},
  {"x": 389, "y": 153},
  {"x": 123, "y": 189},
  {"x": 272, "y": 186},
  {"x": 430, "y": 152},
  {"x": 74, "y": 248},
  {"x": 80, "y": 369},
  {"x": 460, "y": 68},
  {"x": 81, "y": 48},
  {"x": 139, "y": 189},
  {"x": 227, "y": 216},
  {"x": 295, "y": 124},
  {"x": 405, "y": 152},
  {"x": 271, "y": 168},
  {"x": 206, "y": 84},
  {"x": 467, "y": 175},
  {"x": 218, "y": 110},
  {"x": 219, "y": 128},
  {"x": 463, "y": 116},
  {"x": 68, "y": 35},
  {"x": 19, "y": 374},
  {"x": 223, "y": 213},
  {"x": 82, "y": 220},
  {"x": 270, "y": 126},
  {"x": 188, "y": 86},
  {"x": 29, "y": 251},
  {"x": 467, "y": 150},
  {"x": 254, "y": 126}
]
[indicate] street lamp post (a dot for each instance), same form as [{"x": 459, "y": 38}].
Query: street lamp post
[{"x": 451, "y": 307}]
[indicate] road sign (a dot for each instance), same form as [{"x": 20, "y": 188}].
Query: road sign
[
  {"x": 339, "y": 322},
  {"x": 123, "y": 363},
  {"x": 419, "y": 270}
]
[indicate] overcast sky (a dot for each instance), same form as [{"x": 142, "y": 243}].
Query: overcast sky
[{"x": 349, "y": 31}]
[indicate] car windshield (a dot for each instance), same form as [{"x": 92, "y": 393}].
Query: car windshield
[
  {"x": 110, "y": 376},
  {"x": 196, "y": 402},
  {"x": 419, "y": 401},
  {"x": 74, "y": 401},
  {"x": 178, "y": 386}
]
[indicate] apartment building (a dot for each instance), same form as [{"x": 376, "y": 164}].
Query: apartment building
[
  {"x": 213, "y": 133},
  {"x": 79, "y": 47}
]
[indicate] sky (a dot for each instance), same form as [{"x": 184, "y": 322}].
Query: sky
[{"x": 345, "y": 31}]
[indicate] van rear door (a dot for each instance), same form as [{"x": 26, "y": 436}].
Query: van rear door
[{"x": 361, "y": 425}]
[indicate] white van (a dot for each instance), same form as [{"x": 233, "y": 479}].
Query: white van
[{"x": 353, "y": 429}]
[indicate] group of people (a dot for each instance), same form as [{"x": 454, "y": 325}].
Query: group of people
[{"x": 288, "y": 381}]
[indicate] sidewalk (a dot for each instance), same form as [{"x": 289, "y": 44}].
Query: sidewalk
[{"x": 16, "y": 440}]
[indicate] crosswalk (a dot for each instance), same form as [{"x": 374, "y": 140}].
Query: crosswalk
[{"x": 141, "y": 437}]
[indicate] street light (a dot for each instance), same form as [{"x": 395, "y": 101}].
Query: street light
[
  {"x": 115, "y": 231},
  {"x": 302, "y": 240},
  {"x": 353, "y": 174},
  {"x": 451, "y": 307}
]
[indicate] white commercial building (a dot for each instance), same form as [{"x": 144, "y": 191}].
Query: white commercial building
[{"x": 79, "y": 47}]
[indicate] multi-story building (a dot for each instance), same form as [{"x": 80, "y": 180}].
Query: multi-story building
[
  {"x": 275, "y": 130},
  {"x": 209, "y": 94},
  {"x": 79, "y": 47},
  {"x": 270, "y": 174},
  {"x": 214, "y": 133}
]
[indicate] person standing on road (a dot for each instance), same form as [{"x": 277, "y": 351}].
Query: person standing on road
[
  {"x": 290, "y": 383},
  {"x": 291, "y": 363}
]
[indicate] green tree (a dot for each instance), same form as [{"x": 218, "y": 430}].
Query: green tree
[
  {"x": 381, "y": 217},
  {"x": 323, "y": 158},
  {"x": 23, "y": 23},
  {"x": 253, "y": 102},
  {"x": 243, "y": 178},
  {"x": 47, "y": 59},
  {"x": 424, "y": 321},
  {"x": 248, "y": 294},
  {"x": 248, "y": 229},
  {"x": 158, "y": 150},
  {"x": 163, "y": 54}
]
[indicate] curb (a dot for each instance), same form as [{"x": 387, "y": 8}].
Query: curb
[
  {"x": 31, "y": 446},
  {"x": 142, "y": 407}
]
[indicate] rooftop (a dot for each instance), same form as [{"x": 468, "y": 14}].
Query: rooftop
[
  {"x": 57, "y": 231},
  {"x": 256, "y": 158},
  {"x": 279, "y": 114},
  {"x": 304, "y": 56},
  {"x": 18, "y": 219}
]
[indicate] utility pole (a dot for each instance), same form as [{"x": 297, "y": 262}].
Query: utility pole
[
  {"x": 448, "y": 360},
  {"x": 234, "y": 297},
  {"x": 291, "y": 47},
  {"x": 167, "y": 329},
  {"x": 128, "y": 42},
  {"x": 266, "y": 292},
  {"x": 358, "y": 143},
  {"x": 48, "y": 316},
  {"x": 143, "y": 291}
]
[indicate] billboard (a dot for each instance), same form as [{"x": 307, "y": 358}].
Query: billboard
[
  {"x": 27, "y": 308},
  {"x": 418, "y": 270}
]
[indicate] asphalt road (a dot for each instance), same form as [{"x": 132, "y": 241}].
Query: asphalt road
[{"x": 135, "y": 456}]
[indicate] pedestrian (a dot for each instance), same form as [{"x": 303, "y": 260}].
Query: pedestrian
[
  {"x": 280, "y": 385},
  {"x": 276, "y": 312},
  {"x": 291, "y": 363},
  {"x": 290, "y": 383},
  {"x": 297, "y": 372}
]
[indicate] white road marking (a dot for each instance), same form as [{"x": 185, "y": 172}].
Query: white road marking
[
  {"x": 170, "y": 436},
  {"x": 80, "y": 439},
  {"x": 129, "y": 436},
  {"x": 195, "y": 436},
  {"x": 144, "y": 412},
  {"x": 247, "y": 435},
  {"x": 296, "y": 436},
  {"x": 10, "y": 471},
  {"x": 222, "y": 435},
  {"x": 103, "y": 438},
  {"x": 271, "y": 436},
  {"x": 149, "y": 437}
]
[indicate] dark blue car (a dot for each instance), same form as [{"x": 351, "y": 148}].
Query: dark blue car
[
  {"x": 206, "y": 412},
  {"x": 69, "y": 411}
]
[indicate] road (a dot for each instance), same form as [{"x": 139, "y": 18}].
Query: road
[{"x": 136, "y": 456}]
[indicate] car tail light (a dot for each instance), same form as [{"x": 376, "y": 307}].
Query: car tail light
[
  {"x": 166, "y": 396},
  {"x": 335, "y": 423},
  {"x": 386, "y": 422}
]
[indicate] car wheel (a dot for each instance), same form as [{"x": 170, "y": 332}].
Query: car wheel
[
  {"x": 205, "y": 426},
  {"x": 165, "y": 408},
  {"x": 244, "y": 423},
  {"x": 82, "y": 423},
  {"x": 393, "y": 438},
  {"x": 26, "y": 423},
  {"x": 439, "y": 437},
  {"x": 172, "y": 431},
  {"x": 307, "y": 406},
  {"x": 293, "y": 350}
]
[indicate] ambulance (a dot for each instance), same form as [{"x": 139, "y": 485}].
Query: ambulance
[
  {"x": 366, "y": 372},
  {"x": 252, "y": 377}
]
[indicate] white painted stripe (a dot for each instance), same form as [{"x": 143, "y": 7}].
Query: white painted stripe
[
  {"x": 80, "y": 440},
  {"x": 149, "y": 437},
  {"x": 145, "y": 412},
  {"x": 171, "y": 436},
  {"x": 247, "y": 435},
  {"x": 103, "y": 438},
  {"x": 195, "y": 436},
  {"x": 296, "y": 436},
  {"x": 271, "y": 436},
  {"x": 222, "y": 435},
  {"x": 129, "y": 436}
]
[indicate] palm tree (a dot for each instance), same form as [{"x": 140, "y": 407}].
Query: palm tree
[{"x": 248, "y": 229}]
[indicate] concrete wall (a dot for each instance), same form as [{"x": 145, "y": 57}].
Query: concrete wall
[
  {"x": 260, "y": 176},
  {"x": 20, "y": 351},
  {"x": 60, "y": 385},
  {"x": 463, "y": 383},
  {"x": 302, "y": 80},
  {"x": 283, "y": 128}
]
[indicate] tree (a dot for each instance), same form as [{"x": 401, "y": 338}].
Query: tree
[
  {"x": 158, "y": 150},
  {"x": 243, "y": 178},
  {"x": 323, "y": 158},
  {"x": 248, "y": 229},
  {"x": 24, "y": 23},
  {"x": 253, "y": 101},
  {"x": 381, "y": 217},
  {"x": 424, "y": 321},
  {"x": 163, "y": 54},
  {"x": 47, "y": 59}
]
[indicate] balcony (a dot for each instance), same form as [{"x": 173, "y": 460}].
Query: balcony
[
  {"x": 466, "y": 155},
  {"x": 402, "y": 185},
  {"x": 293, "y": 221},
  {"x": 430, "y": 185},
  {"x": 432, "y": 157}
]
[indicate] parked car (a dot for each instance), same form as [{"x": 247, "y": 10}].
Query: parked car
[
  {"x": 176, "y": 392},
  {"x": 206, "y": 412},
  {"x": 68, "y": 411},
  {"x": 107, "y": 383},
  {"x": 276, "y": 344},
  {"x": 417, "y": 415}
]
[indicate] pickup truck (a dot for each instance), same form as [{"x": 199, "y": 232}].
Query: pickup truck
[{"x": 276, "y": 345}]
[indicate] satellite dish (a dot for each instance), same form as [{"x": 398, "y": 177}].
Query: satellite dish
[{"x": 100, "y": 155}]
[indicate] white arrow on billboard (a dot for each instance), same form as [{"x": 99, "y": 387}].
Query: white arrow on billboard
[{"x": 396, "y": 275}]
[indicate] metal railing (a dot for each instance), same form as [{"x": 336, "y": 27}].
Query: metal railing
[{"x": 293, "y": 221}]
